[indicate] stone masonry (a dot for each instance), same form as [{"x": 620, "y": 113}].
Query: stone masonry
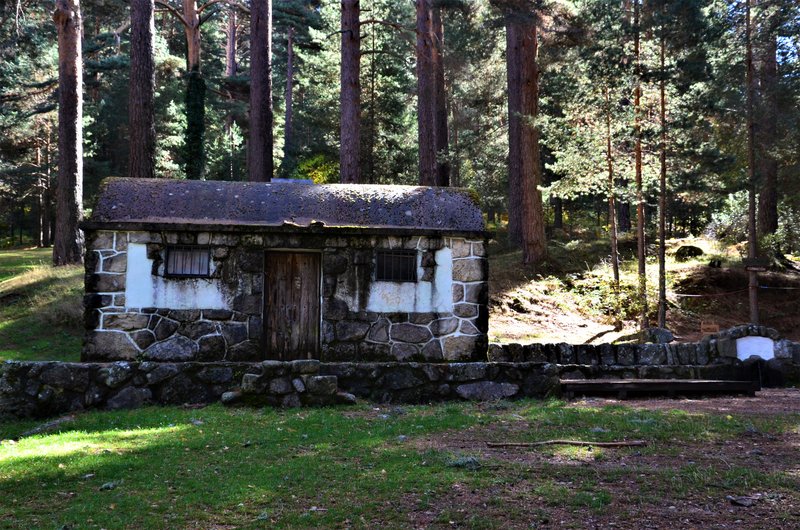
[{"x": 115, "y": 330}]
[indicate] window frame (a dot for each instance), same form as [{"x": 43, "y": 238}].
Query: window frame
[
  {"x": 383, "y": 254},
  {"x": 184, "y": 248}
]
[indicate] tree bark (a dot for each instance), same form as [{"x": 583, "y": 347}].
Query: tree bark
[
  {"x": 260, "y": 147},
  {"x": 287, "y": 122},
  {"x": 523, "y": 110},
  {"x": 752, "y": 237},
  {"x": 612, "y": 210},
  {"x": 68, "y": 243},
  {"x": 514, "y": 84},
  {"x": 192, "y": 30},
  {"x": 641, "y": 251},
  {"x": 426, "y": 94},
  {"x": 662, "y": 195},
  {"x": 768, "y": 135},
  {"x": 141, "y": 106},
  {"x": 230, "y": 44},
  {"x": 440, "y": 102},
  {"x": 350, "y": 95}
]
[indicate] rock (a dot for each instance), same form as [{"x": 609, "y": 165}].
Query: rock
[
  {"x": 468, "y": 328},
  {"x": 298, "y": 385},
  {"x": 253, "y": 384},
  {"x": 486, "y": 390},
  {"x": 195, "y": 330},
  {"x": 444, "y": 326},
  {"x": 626, "y": 354},
  {"x": 165, "y": 328},
  {"x": 497, "y": 353},
  {"x": 410, "y": 333},
  {"x": 351, "y": 330},
  {"x": 143, "y": 338},
  {"x": 379, "y": 332},
  {"x": 129, "y": 397},
  {"x": 73, "y": 377},
  {"x": 291, "y": 401},
  {"x": 403, "y": 352},
  {"x": 465, "y": 371},
  {"x": 652, "y": 354},
  {"x": 115, "y": 374},
  {"x": 400, "y": 379},
  {"x": 745, "y": 501},
  {"x": 468, "y": 270},
  {"x": 658, "y": 335},
  {"x": 304, "y": 366},
  {"x": 161, "y": 373},
  {"x": 726, "y": 347},
  {"x": 465, "y": 310},
  {"x": 687, "y": 252},
  {"x": 458, "y": 348},
  {"x": 232, "y": 397},
  {"x": 234, "y": 332},
  {"x": 432, "y": 351},
  {"x": 281, "y": 385},
  {"x": 322, "y": 385},
  {"x": 345, "y": 398},
  {"x": 216, "y": 375},
  {"x": 173, "y": 349},
  {"x": 217, "y": 314},
  {"x": 211, "y": 348},
  {"x": 335, "y": 309},
  {"x": 125, "y": 321},
  {"x": 245, "y": 352},
  {"x": 104, "y": 345}
]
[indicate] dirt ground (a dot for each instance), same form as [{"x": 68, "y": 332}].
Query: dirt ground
[{"x": 640, "y": 487}]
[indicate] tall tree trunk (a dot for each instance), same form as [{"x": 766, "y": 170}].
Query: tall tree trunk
[
  {"x": 426, "y": 94},
  {"x": 440, "y": 102},
  {"x": 662, "y": 195},
  {"x": 514, "y": 86},
  {"x": 455, "y": 173},
  {"x": 612, "y": 210},
  {"x": 558, "y": 212},
  {"x": 261, "y": 140},
  {"x": 230, "y": 44},
  {"x": 287, "y": 122},
  {"x": 523, "y": 107},
  {"x": 768, "y": 135},
  {"x": 68, "y": 244},
  {"x": 752, "y": 237},
  {"x": 350, "y": 95},
  {"x": 195, "y": 99},
  {"x": 141, "y": 106},
  {"x": 637, "y": 126},
  {"x": 47, "y": 217},
  {"x": 231, "y": 68},
  {"x": 39, "y": 210},
  {"x": 373, "y": 113}
]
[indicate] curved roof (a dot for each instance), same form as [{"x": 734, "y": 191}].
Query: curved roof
[{"x": 272, "y": 204}]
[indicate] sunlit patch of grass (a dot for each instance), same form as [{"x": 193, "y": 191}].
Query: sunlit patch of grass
[{"x": 40, "y": 307}]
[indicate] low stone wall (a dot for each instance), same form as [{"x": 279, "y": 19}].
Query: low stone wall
[{"x": 39, "y": 389}]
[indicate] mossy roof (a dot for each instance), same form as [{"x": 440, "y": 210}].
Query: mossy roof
[{"x": 267, "y": 204}]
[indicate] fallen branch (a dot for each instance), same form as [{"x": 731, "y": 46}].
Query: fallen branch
[
  {"x": 632, "y": 443},
  {"x": 47, "y": 427}
]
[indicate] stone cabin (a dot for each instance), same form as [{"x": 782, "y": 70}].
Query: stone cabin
[{"x": 181, "y": 270}]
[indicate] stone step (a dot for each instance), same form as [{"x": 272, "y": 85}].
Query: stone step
[{"x": 623, "y": 387}]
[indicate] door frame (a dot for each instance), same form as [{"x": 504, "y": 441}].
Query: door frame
[{"x": 284, "y": 250}]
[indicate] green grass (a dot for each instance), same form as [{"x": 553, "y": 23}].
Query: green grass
[
  {"x": 359, "y": 466},
  {"x": 40, "y": 307}
]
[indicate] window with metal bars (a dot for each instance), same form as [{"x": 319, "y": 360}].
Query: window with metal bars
[
  {"x": 188, "y": 262},
  {"x": 396, "y": 266}
]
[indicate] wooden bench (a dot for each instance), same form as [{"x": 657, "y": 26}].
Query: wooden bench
[{"x": 623, "y": 387}]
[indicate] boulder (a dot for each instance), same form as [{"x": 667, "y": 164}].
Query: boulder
[{"x": 486, "y": 390}]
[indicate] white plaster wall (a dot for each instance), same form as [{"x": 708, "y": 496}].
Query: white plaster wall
[
  {"x": 143, "y": 289},
  {"x": 420, "y": 296},
  {"x": 762, "y": 347}
]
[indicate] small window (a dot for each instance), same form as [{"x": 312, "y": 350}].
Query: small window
[
  {"x": 188, "y": 262},
  {"x": 397, "y": 266}
]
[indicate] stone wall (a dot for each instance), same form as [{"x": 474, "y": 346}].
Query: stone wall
[
  {"x": 40, "y": 389},
  {"x": 118, "y": 328}
]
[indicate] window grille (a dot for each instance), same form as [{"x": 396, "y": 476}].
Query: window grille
[
  {"x": 188, "y": 262},
  {"x": 396, "y": 266}
]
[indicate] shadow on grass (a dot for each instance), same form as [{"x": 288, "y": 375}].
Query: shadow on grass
[{"x": 174, "y": 468}]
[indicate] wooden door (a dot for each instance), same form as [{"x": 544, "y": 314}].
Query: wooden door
[{"x": 291, "y": 305}]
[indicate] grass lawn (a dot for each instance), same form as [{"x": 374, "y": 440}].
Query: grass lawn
[
  {"x": 421, "y": 466},
  {"x": 40, "y": 307}
]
